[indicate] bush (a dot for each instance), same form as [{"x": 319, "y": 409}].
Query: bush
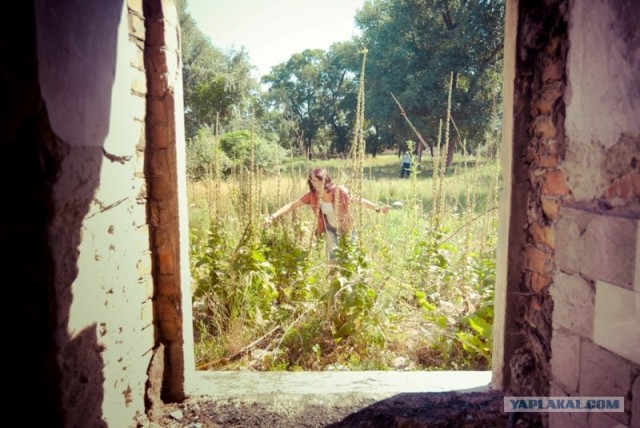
[
  {"x": 203, "y": 156},
  {"x": 237, "y": 146}
]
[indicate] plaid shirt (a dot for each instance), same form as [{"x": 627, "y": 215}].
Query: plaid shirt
[{"x": 340, "y": 204}]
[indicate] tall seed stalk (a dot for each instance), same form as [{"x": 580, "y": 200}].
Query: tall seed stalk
[
  {"x": 438, "y": 179},
  {"x": 445, "y": 147},
  {"x": 493, "y": 197},
  {"x": 357, "y": 151},
  {"x": 472, "y": 178},
  {"x": 252, "y": 194},
  {"x": 218, "y": 166}
]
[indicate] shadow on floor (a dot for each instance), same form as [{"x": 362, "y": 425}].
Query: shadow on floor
[{"x": 435, "y": 410}]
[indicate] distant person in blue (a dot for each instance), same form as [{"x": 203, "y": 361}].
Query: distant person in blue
[{"x": 406, "y": 164}]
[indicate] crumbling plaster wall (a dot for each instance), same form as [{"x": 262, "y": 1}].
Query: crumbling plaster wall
[
  {"x": 92, "y": 72},
  {"x": 603, "y": 98}
]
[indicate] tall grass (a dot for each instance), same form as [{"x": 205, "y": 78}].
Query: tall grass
[{"x": 414, "y": 292}]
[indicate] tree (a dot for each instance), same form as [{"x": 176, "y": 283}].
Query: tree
[
  {"x": 218, "y": 86},
  {"x": 414, "y": 45},
  {"x": 297, "y": 87},
  {"x": 340, "y": 61},
  {"x": 315, "y": 90},
  {"x": 237, "y": 146}
]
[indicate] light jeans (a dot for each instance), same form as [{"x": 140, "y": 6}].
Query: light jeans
[{"x": 331, "y": 242}]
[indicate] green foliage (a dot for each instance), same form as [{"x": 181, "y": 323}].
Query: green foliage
[
  {"x": 401, "y": 292},
  {"x": 456, "y": 297},
  {"x": 237, "y": 146},
  {"x": 307, "y": 103},
  {"x": 350, "y": 293},
  {"x": 290, "y": 261},
  {"x": 421, "y": 284},
  {"x": 218, "y": 85},
  {"x": 315, "y": 91},
  {"x": 204, "y": 155},
  {"x": 414, "y": 46},
  {"x": 232, "y": 282}
]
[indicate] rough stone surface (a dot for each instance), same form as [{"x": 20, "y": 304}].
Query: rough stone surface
[
  {"x": 565, "y": 353},
  {"x": 605, "y": 374},
  {"x": 564, "y": 420},
  {"x": 617, "y": 320},
  {"x": 601, "y": 420},
  {"x": 598, "y": 243},
  {"x": 574, "y": 303},
  {"x": 610, "y": 249},
  {"x": 635, "y": 405},
  {"x": 541, "y": 184},
  {"x": 555, "y": 183},
  {"x": 568, "y": 420},
  {"x": 550, "y": 207},
  {"x": 604, "y": 32}
]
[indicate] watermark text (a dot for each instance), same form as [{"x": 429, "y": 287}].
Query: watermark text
[{"x": 563, "y": 404}]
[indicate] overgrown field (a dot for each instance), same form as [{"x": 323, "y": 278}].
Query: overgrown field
[{"x": 412, "y": 291}]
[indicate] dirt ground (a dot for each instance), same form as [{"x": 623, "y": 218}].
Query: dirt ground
[{"x": 415, "y": 410}]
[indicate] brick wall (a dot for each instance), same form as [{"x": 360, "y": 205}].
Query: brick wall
[
  {"x": 595, "y": 349},
  {"x": 571, "y": 299},
  {"x": 596, "y": 318},
  {"x": 539, "y": 187}
]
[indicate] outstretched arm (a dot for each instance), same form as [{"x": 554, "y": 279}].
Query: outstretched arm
[
  {"x": 367, "y": 203},
  {"x": 282, "y": 211}
]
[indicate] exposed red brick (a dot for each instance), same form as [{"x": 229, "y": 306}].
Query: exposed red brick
[
  {"x": 165, "y": 261},
  {"x": 166, "y": 217},
  {"x": 534, "y": 305},
  {"x": 626, "y": 187},
  {"x": 160, "y": 137},
  {"x": 538, "y": 282},
  {"x": 550, "y": 208},
  {"x": 537, "y": 260},
  {"x": 552, "y": 45},
  {"x": 160, "y": 236},
  {"x": 159, "y": 87},
  {"x": 543, "y": 235},
  {"x": 552, "y": 71},
  {"x": 165, "y": 285},
  {"x": 541, "y": 157},
  {"x": 532, "y": 155},
  {"x": 547, "y": 161},
  {"x": 161, "y": 187},
  {"x": 544, "y": 127},
  {"x": 161, "y": 162},
  {"x": 157, "y": 112},
  {"x": 156, "y": 35},
  {"x": 551, "y": 147},
  {"x": 545, "y": 101},
  {"x": 169, "y": 330},
  {"x": 555, "y": 183}
]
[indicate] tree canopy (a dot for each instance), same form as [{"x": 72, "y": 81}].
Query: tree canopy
[
  {"x": 308, "y": 102},
  {"x": 219, "y": 88},
  {"x": 414, "y": 46}
]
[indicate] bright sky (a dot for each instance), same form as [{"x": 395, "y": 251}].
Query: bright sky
[{"x": 272, "y": 30}]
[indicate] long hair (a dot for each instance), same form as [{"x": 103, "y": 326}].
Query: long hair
[{"x": 320, "y": 174}]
